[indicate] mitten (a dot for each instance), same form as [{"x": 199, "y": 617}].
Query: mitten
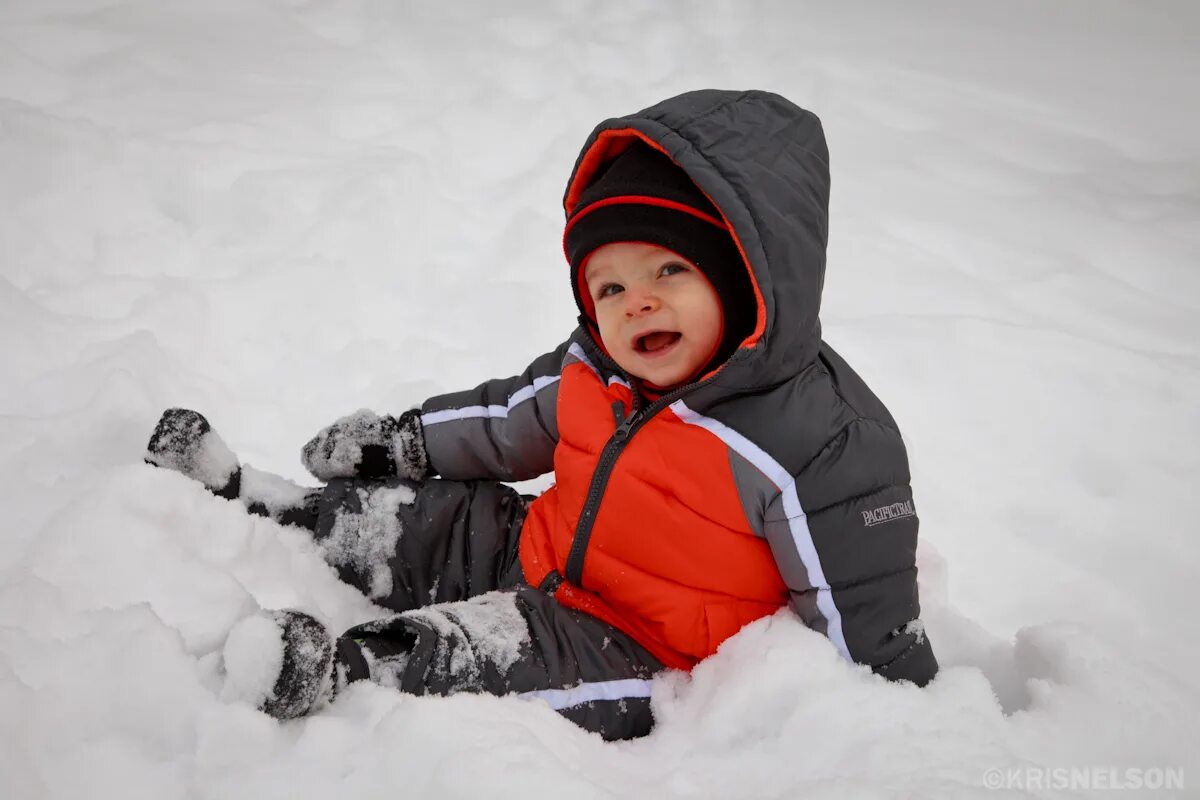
[
  {"x": 366, "y": 445},
  {"x": 183, "y": 441},
  {"x": 283, "y": 662}
]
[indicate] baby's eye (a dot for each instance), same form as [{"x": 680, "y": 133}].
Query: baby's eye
[
  {"x": 674, "y": 268},
  {"x": 609, "y": 289}
]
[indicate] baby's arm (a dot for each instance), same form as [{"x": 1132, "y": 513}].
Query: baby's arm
[
  {"x": 504, "y": 429},
  {"x": 844, "y": 534}
]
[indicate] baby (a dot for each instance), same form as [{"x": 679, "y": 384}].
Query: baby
[{"x": 715, "y": 459}]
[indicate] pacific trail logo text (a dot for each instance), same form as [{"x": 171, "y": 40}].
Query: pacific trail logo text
[{"x": 877, "y": 516}]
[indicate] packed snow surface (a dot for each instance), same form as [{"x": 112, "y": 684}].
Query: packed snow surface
[{"x": 275, "y": 212}]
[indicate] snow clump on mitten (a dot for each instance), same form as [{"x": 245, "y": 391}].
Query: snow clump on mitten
[
  {"x": 366, "y": 445},
  {"x": 337, "y": 450},
  {"x": 253, "y": 656},
  {"x": 282, "y": 662}
]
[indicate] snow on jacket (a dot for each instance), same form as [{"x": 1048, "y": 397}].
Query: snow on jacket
[{"x": 778, "y": 478}]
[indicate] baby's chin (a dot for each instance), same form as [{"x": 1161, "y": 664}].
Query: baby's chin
[{"x": 664, "y": 378}]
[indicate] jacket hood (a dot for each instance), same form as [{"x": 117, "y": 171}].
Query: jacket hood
[{"x": 764, "y": 164}]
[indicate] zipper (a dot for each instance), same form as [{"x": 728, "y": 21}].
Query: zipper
[
  {"x": 625, "y": 429},
  {"x": 551, "y": 582}
]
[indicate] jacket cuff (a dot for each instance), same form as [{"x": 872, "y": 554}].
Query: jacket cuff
[
  {"x": 916, "y": 663},
  {"x": 408, "y": 447}
]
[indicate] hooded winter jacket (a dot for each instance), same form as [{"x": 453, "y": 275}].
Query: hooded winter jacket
[{"x": 777, "y": 478}]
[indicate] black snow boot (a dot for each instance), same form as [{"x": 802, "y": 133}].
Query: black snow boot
[
  {"x": 185, "y": 442},
  {"x": 283, "y": 662}
]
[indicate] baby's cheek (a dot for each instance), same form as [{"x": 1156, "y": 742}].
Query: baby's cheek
[
  {"x": 613, "y": 344},
  {"x": 610, "y": 342}
]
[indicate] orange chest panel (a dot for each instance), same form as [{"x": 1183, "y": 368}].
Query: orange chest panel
[
  {"x": 667, "y": 467},
  {"x": 671, "y": 557}
]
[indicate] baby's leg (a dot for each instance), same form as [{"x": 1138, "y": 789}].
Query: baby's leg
[
  {"x": 269, "y": 495},
  {"x": 407, "y": 545},
  {"x": 184, "y": 441},
  {"x": 520, "y": 641},
  {"x": 404, "y": 545}
]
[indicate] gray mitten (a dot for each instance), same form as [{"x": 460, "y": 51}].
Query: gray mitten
[
  {"x": 366, "y": 445},
  {"x": 283, "y": 662}
]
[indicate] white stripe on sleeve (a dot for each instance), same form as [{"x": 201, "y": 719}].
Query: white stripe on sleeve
[{"x": 495, "y": 411}]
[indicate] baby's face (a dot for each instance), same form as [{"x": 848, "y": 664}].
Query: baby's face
[{"x": 659, "y": 317}]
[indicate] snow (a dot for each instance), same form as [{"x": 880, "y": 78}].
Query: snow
[
  {"x": 252, "y": 657},
  {"x": 365, "y": 541},
  {"x": 485, "y": 629},
  {"x": 275, "y": 210},
  {"x": 338, "y": 449},
  {"x": 276, "y": 493}
]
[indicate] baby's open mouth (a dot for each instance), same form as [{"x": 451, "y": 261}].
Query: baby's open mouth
[{"x": 655, "y": 341}]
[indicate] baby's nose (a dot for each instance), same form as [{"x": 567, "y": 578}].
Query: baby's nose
[{"x": 640, "y": 301}]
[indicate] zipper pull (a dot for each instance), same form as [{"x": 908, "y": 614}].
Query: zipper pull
[
  {"x": 623, "y": 422},
  {"x": 622, "y": 431}
]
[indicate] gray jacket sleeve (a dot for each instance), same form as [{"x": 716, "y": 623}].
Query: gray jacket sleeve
[
  {"x": 844, "y": 534},
  {"x": 504, "y": 429}
]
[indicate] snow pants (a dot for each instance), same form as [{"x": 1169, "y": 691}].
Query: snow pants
[{"x": 443, "y": 555}]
